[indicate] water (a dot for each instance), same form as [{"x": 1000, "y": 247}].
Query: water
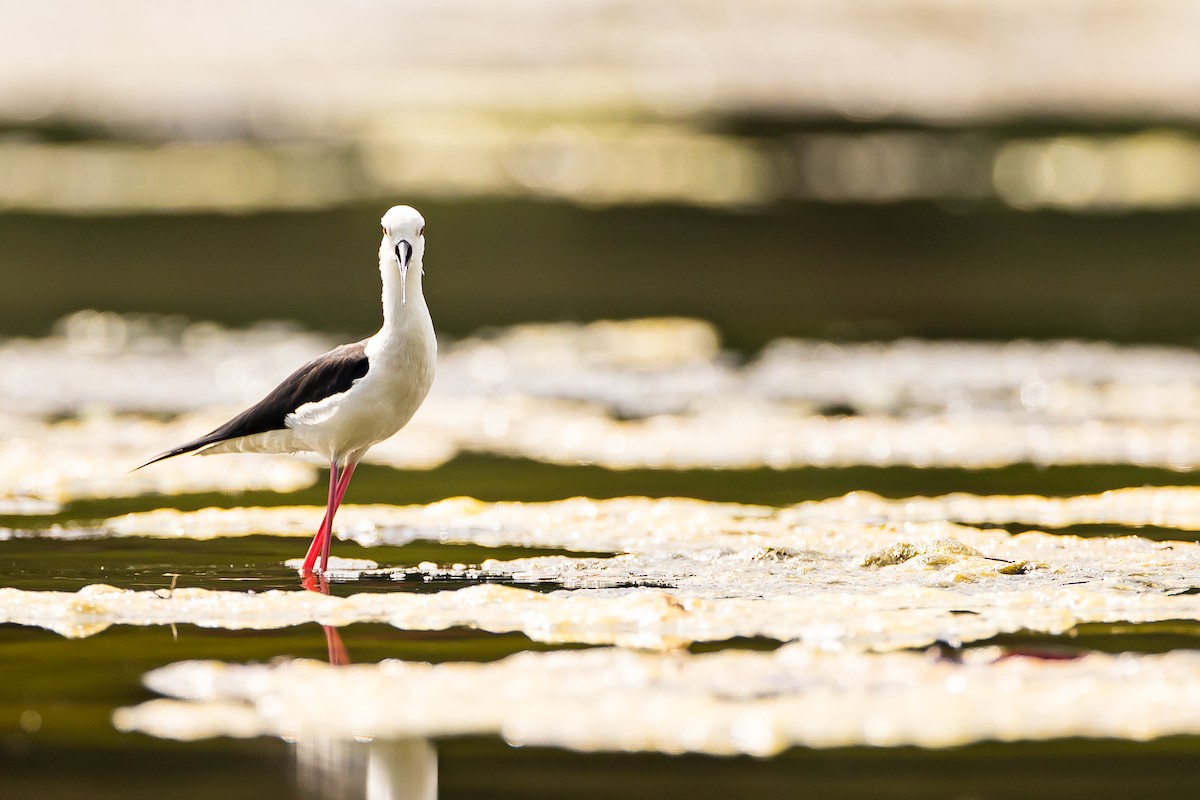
[
  {"x": 848, "y": 272},
  {"x": 83, "y": 680}
]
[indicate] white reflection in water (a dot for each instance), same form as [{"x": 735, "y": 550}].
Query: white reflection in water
[
  {"x": 329, "y": 767},
  {"x": 346, "y": 769}
]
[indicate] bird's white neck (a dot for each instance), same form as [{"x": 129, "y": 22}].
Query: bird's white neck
[{"x": 402, "y": 305}]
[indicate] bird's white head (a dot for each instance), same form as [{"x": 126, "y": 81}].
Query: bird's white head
[{"x": 403, "y": 242}]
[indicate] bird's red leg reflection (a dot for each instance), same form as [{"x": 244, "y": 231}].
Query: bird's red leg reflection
[
  {"x": 328, "y": 767},
  {"x": 333, "y": 640}
]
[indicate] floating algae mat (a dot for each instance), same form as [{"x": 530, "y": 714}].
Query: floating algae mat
[
  {"x": 657, "y": 393},
  {"x": 720, "y": 703},
  {"x": 723, "y": 570},
  {"x": 46, "y": 465}
]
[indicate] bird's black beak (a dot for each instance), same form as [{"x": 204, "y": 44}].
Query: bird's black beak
[{"x": 403, "y": 254}]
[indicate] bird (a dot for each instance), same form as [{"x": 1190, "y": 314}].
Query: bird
[{"x": 345, "y": 401}]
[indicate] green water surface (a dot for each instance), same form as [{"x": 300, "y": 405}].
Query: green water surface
[{"x": 848, "y": 272}]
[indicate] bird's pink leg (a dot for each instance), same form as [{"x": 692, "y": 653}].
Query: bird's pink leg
[
  {"x": 310, "y": 557},
  {"x": 321, "y": 539},
  {"x": 342, "y": 485}
]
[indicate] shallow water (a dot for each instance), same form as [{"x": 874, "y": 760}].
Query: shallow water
[
  {"x": 76, "y": 750},
  {"x": 962, "y": 587},
  {"x": 84, "y": 680}
]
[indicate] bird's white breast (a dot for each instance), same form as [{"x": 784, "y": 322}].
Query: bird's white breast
[{"x": 401, "y": 369}]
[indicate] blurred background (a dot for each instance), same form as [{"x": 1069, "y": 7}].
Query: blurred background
[{"x": 852, "y": 170}]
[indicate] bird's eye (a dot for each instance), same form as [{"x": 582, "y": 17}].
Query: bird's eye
[
  {"x": 422, "y": 231},
  {"x": 384, "y": 231}
]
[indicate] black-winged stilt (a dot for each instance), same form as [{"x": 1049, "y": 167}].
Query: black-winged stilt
[{"x": 341, "y": 403}]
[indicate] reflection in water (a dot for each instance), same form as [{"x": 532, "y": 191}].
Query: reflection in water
[
  {"x": 336, "y": 769},
  {"x": 337, "y": 651},
  {"x": 333, "y": 640},
  {"x": 333, "y": 769}
]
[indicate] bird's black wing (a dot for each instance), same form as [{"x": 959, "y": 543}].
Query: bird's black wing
[{"x": 326, "y": 375}]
